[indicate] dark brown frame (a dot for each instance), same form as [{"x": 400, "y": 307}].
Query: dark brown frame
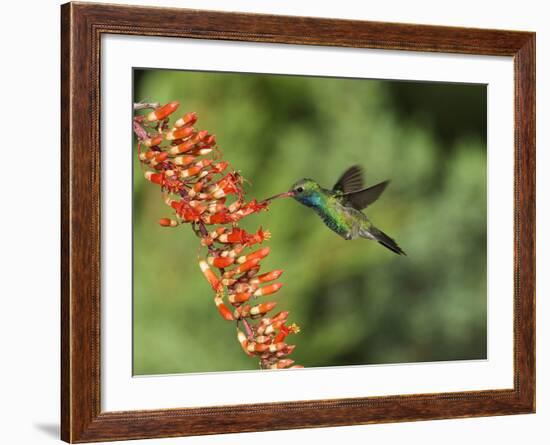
[{"x": 82, "y": 25}]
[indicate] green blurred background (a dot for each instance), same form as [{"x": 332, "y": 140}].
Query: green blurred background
[{"x": 356, "y": 302}]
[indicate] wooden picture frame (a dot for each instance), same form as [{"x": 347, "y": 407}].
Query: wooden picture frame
[{"x": 82, "y": 26}]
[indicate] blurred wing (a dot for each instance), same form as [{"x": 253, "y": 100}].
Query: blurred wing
[
  {"x": 363, "y": 198},
  {"x": 350, "y": 181}
]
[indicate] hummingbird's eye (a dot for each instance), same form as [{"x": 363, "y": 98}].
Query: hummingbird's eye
[{"x": 299, "y": 189}]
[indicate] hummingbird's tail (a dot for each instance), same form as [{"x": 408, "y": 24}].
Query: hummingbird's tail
[{"x": 382, "y": 238}]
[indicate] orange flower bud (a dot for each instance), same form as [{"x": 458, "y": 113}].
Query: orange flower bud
[
  {"x": 151, "y": 142},
  {"x": 224, "y": 312},
  {"x": 210, "y": 276},
  {"x": 243, "y": 341},
  {"x": 201, "y": 135},
  {"x": 155, "y": 178},
  {"x": 158, "y": 158},
  {"x": 187, "y": 119},
  {"x": 269, "y": 276},
  {"x": 210, "y": 140},
  {"x": 180, "y": 133},
  {"x": 239, "y": 298},
  {"x": 259, "y": 254},
  {"x": 196, "y": 168},
  {"x": 281, "y": 316},
  {"x": 268, "y": 290},
  {"x": 242, "y": 268},
  {"x": 220, "y": 262},
  {"x": 262, "y": 308},
  {"x": 182, "y": 148},
  {"x": 183, "y": 160},
  {"x": 167, "y": 222},
  {"x": 163, "y": 112},
  {"x": 161, "y": 156}
]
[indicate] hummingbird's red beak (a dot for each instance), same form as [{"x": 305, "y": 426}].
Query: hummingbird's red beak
[{"x": 281, "y": 195}]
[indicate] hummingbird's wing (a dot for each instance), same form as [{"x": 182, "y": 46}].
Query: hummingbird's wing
[
  {"x": 363, "y": 198},
  {"x": 350, "y": 181}
]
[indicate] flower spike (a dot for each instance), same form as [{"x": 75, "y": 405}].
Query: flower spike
[{"x": 195, "y": 190}]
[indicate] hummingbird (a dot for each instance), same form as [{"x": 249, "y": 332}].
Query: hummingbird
[{"x": 341, "y": 207}]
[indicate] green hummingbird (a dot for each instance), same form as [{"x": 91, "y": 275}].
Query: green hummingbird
[{"x": 341, "y": 208}]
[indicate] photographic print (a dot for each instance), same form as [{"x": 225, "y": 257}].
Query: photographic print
[
  {"x": 290, "y": 222},
  {"x": 285, "y": 221}
]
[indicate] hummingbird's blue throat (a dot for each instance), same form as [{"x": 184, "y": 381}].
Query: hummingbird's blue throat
[{"x": 312, "y": 200}]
